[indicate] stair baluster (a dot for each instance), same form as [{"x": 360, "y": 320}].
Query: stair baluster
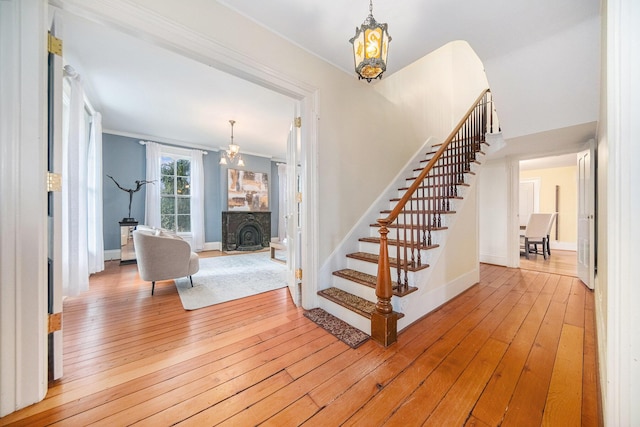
[{"x": 420, "y": 210}]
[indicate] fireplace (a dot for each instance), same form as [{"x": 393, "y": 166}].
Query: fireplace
[{"x": 245, "y": 231}]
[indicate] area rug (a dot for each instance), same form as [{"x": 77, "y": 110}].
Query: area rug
[
  {"x": 232, "y": 277},
  {"x": 346, "y": 333}
]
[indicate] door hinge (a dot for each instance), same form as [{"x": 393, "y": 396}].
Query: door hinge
[
  {"x": 54, "y": 45},
  {"x": 55, "y": 322},
  {"x": 298, "y": 122},
  {"x": 299, "y": 197},
  {"x": 54, "y": 182},
  {"x": 299, "y": 274}
]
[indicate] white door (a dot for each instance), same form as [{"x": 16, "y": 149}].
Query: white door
[
  {"x": 54, "y": 216},
  {"x": 586, "y": 220},
  {"x": 526, "y": 202},
  {"x": 294, "y": 213}
]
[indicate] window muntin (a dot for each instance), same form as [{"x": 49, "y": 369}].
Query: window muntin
[{"x": 175, "y": 193}]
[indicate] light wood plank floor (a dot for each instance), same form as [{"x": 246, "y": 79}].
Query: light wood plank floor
[
  {"x": 559, "y": 262},
  {"x": 518, "y": 349}
]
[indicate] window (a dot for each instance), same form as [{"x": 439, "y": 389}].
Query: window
[{"x": 175, "y": 193}]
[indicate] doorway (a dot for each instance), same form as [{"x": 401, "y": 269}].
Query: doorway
[
  {"x": 549, "y": 185},
  {"x": 191, "y": 47}
]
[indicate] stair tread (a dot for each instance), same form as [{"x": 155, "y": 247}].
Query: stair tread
[
  {"x": 386, "y": 211},
  {"x": 353, "y": 302},
  {"x": 429, "y": 156},
  {"x": 413, "y": 178},
  {"x": 394, "y": 242},
  {"x": 442, "y": 166},
  {"x": 368, "y": 280},
  {"x": 393, "y": 262},
  {"x": 397, "y": 199},
  {"x": 413, "y": 226},
  {"x": 462, "y": 184},
  {"x": 473, "y": 138}
]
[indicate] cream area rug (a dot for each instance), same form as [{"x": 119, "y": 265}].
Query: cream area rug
[{"x": 232, "y": 277}]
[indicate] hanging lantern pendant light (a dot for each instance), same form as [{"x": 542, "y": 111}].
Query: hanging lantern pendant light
[{"x": 370, "y": 48}]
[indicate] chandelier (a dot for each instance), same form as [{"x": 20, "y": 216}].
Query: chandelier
[
  {"x": 370, "y": 47},
  {"x": 232, "y": 154}
]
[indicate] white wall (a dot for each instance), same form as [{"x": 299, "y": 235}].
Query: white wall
[
  {"x": 435, "y": 91},
  {"x": 534, "y": 87}
]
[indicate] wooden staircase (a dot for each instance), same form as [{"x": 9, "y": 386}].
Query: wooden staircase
[{"x": 402, "y": 244}]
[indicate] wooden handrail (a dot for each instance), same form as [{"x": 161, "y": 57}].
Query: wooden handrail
[{"x": 436, "y": 191}]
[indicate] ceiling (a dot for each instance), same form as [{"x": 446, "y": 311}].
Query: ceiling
[
  {"x": 417, "y": 27},
  {"x": 146, "y": 91}
]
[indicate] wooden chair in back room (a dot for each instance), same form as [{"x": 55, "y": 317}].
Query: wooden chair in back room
[{"x": 537, "y": 233}]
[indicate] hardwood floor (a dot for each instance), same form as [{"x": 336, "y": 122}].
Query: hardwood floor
[
  {"x": 518, "y": 349},
  {"x": 560, "y": 262}
]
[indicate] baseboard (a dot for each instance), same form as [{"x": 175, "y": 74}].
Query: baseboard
[
  {"x": 212, "y": 246},
  {"x": 111, "y": 254},
  {"x": 493, "y": 259},
  {"x": 439, "y": 296},
  {"x": 563, "y": 246}
]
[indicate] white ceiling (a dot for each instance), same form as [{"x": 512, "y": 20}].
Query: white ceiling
[
  {"x": 146, "y": 91},
  {"x": 417, "y": 27}
]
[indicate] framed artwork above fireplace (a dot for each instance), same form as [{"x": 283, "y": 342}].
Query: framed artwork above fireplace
[{"x": 247, "y": 191}]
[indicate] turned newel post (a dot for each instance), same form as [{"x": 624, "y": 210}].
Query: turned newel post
[{"x": 384, "y": 321}]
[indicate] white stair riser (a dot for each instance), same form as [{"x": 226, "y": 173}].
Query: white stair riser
[
  {"x": 374, "y": 248},
  {"x": 436, "y": 235},
  {"x": 355, "y": 288},
  {"x": 473, "y": 165},
  {"x": 362, "y": 266},
  {"x": 461, "y": 191},
  {"x": 352, "y": 318},
  {"x": 372, "y": 269},
  {"x": 413, "y": 219}
]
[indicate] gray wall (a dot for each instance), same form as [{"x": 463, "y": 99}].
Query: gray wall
[
  {"x": 254, "y": 164},
  {"x": 125, "y": 159}
]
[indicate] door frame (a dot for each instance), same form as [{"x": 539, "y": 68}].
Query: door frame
[
  {"x": 136, "y": 20},
  {"x": 514, "y": 194},
  {"x": 23, "y": 166}
]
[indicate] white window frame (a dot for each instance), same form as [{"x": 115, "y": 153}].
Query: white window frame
[{"x": 176, "y": 154}]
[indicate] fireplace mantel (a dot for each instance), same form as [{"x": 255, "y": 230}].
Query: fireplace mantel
[{"x": 245, "y": 230}]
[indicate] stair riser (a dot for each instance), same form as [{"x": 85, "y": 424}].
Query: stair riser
[
  {"x": 413, "y": 219},
  {"x": 374, "y": 248},
  {"x": 352, "y": 318},
  {"x": 355, "y": 288},
  {"x": 371, "y": 268},
  {"x": 452, "y": 204},
  {"x": 362, "y": 266},
  {"x": 461, "y": 191},
  {"x": 436, "y": 235},
  {"x": 474, "y": 168}
]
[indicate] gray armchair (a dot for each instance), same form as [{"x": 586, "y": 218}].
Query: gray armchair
[{"x": 163, "y": 256}]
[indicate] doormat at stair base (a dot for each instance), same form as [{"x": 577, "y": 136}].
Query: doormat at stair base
[{"x": 346, "y": 333}]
